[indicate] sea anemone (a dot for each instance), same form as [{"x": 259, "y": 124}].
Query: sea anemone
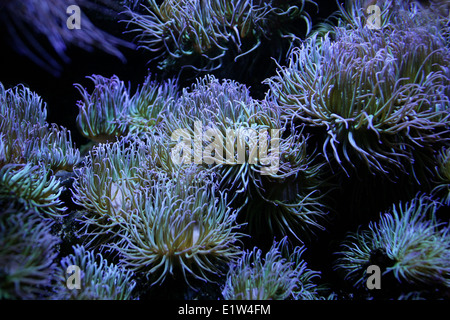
[
  {"x": 407, "y": 243},
  {"x": 109, "y": 178},
  {"x": 277, "y": 276},
  {"x": 198, "y": 34},
  {"x": 19, "y": 104},
  {"x": 196, "y": 28},
  {"x": 149, "y": 104},
  {"x": 106, "y": 182},
  {"x": 25, "y": 135},
  {"x": 52, "y": 146},
  {"x": 33, "y": 186},
  {"x": 217, "y": 107},
  {"x": 31, "y": 151},
  {"x": 182, "y": 227},
  {"x": 98, "y": 279},
  {"x": 22, "y": 113},
  {"x": 100, "y": 112},
  {"x": 27, "y": 254},
  {"x": 110, "y": 111},
  {"x": 244, "y": 141},
  {"x": 377, "y": 94}
]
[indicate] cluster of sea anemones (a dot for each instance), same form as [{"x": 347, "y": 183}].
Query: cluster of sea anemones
[
  {"x": 159, "y": 218},
  {"x": 32, "y": 151},
  {"x": 34, "y": 156},
  {"x": 162, "y": 217},
  {"x": 220, "y": 187},
  {"x": 26, "y": 137}
]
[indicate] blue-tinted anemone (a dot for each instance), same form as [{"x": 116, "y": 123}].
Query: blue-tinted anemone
[
  {"x": 110, "y": 177},
  {"x": 356, "y": 15},
  {"x": 25, "y": 135},
  {"x": 378, "y": 95},
  {"x": 99, "y": 280},
  {"x": 34, "y": 187},
  {"x": 22, "y": 117},
  {"x": 407, "y": 243},
  {"x": 198, "y": 34},
  {"x": 275, "y": 276},
  {"x": 219, "y": 126},
  {"x": 195, "y": 28},
  {"x": 111, "y": 111},
  {"x": 218, "y": 106},
  {"x": 27, "y": 254},
  {"x": 52, "y": 146},
  {"x": 47, "y": 145},
  {"x": 100, "y": 111},
  {"x": 182, "y": 228}
]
